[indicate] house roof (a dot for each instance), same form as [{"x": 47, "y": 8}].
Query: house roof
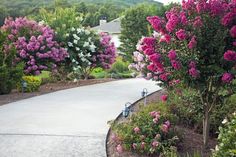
[{"x": 112, "y": 27}]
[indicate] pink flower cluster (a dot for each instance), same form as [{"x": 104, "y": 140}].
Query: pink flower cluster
[
  {"x": 107, "y": 55},
  {"x": 180, "y": 30},
  {"x": 193, "y": 70},
  {"x": 164, "y": 98},
  {"x": 144, "y": 133},
  {"x": 165, "y": 127},
  {"x": 230, "y": 55},
  {"x": 156, "y": 116},
  {"x": 35, "y": 45},
  {"x": 227, "y": 77},
  {"x": 139, "y": 64}
]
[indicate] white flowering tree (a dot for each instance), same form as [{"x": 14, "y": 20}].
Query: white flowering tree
[{"x": 89, "y": 50}]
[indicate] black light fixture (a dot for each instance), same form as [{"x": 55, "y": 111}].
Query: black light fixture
[
  {"x": 144, "y": 94},
  {"x": 126, "y": 110},
  {"x": 24, "y": 86}
]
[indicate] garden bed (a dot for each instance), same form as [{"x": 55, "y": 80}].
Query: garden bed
[
  {"x": 191, "y": 142},
  {"x": 48, "y": 88}
]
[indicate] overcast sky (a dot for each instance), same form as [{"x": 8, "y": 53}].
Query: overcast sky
[{"x": 168, "y": 1}]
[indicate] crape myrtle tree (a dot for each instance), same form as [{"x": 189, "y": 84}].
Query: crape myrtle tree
[
  {"x": 35, "y": 45},
  {"x": 194, "y": 44},
  {"x": 88, "y": 50}
]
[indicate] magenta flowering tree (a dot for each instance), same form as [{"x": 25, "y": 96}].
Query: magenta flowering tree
[
  {"x": 35, "y": 45},
  {"x": 107, "y": 53},
  {"x": 195, "y": 44}
]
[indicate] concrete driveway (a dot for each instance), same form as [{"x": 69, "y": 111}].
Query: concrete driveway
[{"x": 68, "y": 123}]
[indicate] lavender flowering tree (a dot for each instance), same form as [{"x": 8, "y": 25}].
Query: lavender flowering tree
[
  {"x": 89, "y": 50},
  {"x": 35, "y": 45},
  {"x": 195, "y": 44}
]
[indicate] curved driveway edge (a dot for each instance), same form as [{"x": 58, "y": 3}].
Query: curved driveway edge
[{"x": 68, "y": 123}]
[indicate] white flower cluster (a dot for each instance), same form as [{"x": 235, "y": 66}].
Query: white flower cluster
[
  {"x": 83, "y": 45},
  {"x": 76, "y": 39}
]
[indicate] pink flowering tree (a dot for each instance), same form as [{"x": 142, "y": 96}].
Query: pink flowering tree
[
  {"x": 35, "y": 45},
  {"x": 195, "y": 44},
  {"x": 89, "y": 50}
]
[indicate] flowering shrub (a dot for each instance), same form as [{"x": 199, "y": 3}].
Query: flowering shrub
[
  {"x": 194, "y": 44},
  {"x": 149, "y": 131},
  {"x": 10, "y": 74},
  {"x": 89, "y": 50},
  {"x": 227, "y": 139},
  {"x": 33, "y": 83},
  {"x": 35, "y": 45}
]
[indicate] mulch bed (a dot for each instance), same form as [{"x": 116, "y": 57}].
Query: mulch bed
[
  {"x": 48, "y": 88},
  {"x": 191, "y": 142}
]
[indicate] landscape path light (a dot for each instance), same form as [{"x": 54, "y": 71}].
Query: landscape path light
[
  {"x": 24, "y": 86},
  {"x": 126, "y": 110},
  {"x": 144, "y": 94}
]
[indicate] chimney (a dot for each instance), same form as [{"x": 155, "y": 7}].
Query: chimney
[{"x": 102, "y": 21}]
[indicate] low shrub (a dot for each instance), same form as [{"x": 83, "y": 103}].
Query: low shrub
[
  {"x": 186, "y": 104},
  {"x": 148, "y": 131},
  {"x": 119, "y": 66},
  {"x": 99, "y": 73},
  {"x": 227, "y": 139},
  {"x": 9, "y": 77},
  {"x": 45, "y": 77},
  {"x": 33, "y": 83}
]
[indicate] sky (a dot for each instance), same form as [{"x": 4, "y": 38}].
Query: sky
[{"x": 168, "y": 1}]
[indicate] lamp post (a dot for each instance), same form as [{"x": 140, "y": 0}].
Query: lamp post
[
  {"x": 126, "y": 110},
  {"x": 144, "y": 94},
  {"x": 24, "y": 86}
]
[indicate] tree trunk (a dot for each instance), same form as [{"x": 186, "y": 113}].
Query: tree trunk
[
  {"x": 206, "y": 128},
  {"x": 86, "y": 76}
]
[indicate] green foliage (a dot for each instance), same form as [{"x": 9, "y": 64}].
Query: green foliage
[
  {"x": 33, "y": 83},
  {"x": 227, "y": 139},
  {"x": 45, "y": 77},
  {"x": 186, "y": 104},
  {"x": 10, "y": 74},
  {"x": 120, "y": 66},
  {"x": 120, "y": 69},
  {"x": 16, "y": 8},
  {"x": 61, "y": 20},
  {"x": 174, "y": 153},
  {"x": 133, "y": 26},
  {"x": 92, "y": 17},
  {"x": 144, "y": 129},
  {"x": 99, "y": 73}
]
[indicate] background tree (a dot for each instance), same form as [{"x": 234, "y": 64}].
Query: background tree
[
  {"x": 134, "y": 25},
  {"x": 60, "y": 20}
]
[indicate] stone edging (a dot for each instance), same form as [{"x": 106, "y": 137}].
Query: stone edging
[{"x": 130, "y": 107}]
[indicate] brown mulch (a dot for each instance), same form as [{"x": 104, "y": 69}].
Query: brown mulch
[
  {"x": 48, "y": 88},
  {"x": 191, "y": 141}
]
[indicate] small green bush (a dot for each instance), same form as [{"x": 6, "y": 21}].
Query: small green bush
[
  {"x": 119, "y": 66},
  {"x": 148, "y": 131},
  {"x": 227, "y": 139},
  {"x": 45, "y": 77},
  {"x": 10, "y": 74},
  {"x": 99, "y": 73},
  {"x": 33, "y": 83}
]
